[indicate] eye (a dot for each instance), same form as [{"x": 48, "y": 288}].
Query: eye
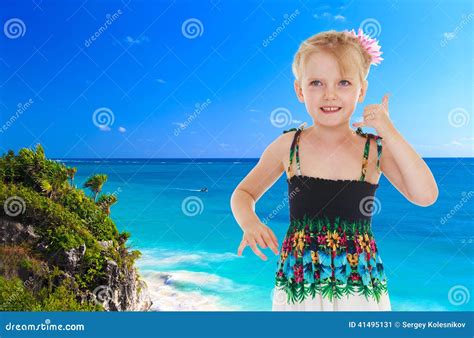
[
  {"x": 345, "y": 83},
  {"x": 315, "y": 83}
]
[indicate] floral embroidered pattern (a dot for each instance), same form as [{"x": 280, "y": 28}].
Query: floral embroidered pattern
[{"x": 331, "y": 258}]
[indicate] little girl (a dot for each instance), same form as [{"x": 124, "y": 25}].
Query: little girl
[{"x": 329, "y": 260}]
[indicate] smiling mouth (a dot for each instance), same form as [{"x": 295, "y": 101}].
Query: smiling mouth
[{"x": 330, "y": 109}]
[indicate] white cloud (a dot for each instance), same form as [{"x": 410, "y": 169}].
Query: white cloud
[
  {"x": 122, "y": 129},
  {"x": 337, "y": 17},
  {"x": 160, "y": 80},
  {"x": 137, "y": 41},
  {"x": 224, "y": 145},
  {"x": 461, "y": 142}
]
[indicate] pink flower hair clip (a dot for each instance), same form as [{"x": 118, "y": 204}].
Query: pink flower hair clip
[{"x": 369, "y": 44}]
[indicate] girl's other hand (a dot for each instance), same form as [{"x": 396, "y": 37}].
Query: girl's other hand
[{"x": 259, "y": 234}]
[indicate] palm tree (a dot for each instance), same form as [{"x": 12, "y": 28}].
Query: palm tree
[
  {"x": 40, "y": 152},
  {"x": 95, "y": 184},
  {"x": 105, "y": 201},
  {"x": 71, "y": 172},
  {"x": 58, "y": 177},
  {"x": 35, "y": 166}
]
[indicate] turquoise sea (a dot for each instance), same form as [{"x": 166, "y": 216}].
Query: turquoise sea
[{"x": 189, "y": 238}]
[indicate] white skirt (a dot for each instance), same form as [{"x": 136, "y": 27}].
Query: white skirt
[{"x": 319, "y": 303}]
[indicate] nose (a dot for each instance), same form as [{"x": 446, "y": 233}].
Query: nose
[{"x": 330, "y": 93}]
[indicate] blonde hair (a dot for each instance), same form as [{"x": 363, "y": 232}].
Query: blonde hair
[{"x": 343, "y": 46}]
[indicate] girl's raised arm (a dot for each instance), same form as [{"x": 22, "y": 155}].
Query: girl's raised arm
[{"x": 400, "y": 163}]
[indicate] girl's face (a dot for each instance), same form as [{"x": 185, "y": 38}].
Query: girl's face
[{"x": 329, "y": 97}]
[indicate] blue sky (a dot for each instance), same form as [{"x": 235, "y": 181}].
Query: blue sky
[{"x": 167, "y": 90}]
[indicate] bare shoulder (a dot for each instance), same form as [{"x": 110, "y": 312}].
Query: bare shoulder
[
  {"x": 269, "y": 168},
  {"x": 277, "y": 150},
  {"x": 282, "y": 143}
]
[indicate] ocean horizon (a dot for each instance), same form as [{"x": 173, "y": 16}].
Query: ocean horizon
[{"x": 189, "y": 238}]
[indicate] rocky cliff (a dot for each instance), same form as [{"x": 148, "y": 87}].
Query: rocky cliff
[{"x": 59, "y": 249}]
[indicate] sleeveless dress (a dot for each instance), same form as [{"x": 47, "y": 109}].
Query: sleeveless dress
[{"x": 329, "y": 259}]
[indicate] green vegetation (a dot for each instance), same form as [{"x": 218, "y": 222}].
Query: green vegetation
[{"x": 63, "y": 218}]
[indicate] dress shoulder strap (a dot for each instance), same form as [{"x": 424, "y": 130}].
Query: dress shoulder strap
[
  {"x": 365, "y": 160},
  {"x": 294, "y": 149}
]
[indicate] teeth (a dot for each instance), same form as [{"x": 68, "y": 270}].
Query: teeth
[{"x": 330, "y": 108}]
